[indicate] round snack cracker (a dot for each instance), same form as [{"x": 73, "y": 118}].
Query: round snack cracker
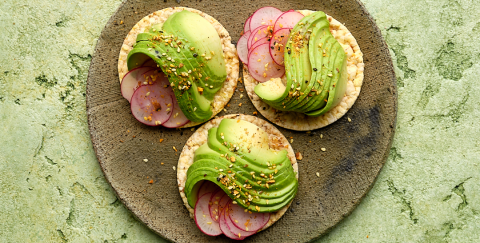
[
  {"x": 299, "y": 121},
  {"x": 229, "y": 52},
  {"x": 276, "y": 141}
]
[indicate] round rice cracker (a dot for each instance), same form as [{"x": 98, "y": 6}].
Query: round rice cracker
[
  {"x": 299, "y": 121},
  {"x": 222, "y": 97},
  {"x": 276, "y": 141}
]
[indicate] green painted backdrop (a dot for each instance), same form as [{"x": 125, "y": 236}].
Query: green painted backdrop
[{"x": 52, "y": 188}]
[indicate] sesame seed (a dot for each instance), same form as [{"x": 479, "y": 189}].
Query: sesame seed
[
  {"x": 323, "y": 149},
  {"x": 145, "y": 160},
  {"x": 318, "y": 174}
]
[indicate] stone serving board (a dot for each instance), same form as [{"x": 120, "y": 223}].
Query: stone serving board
[{"x": 355, "y": 151}]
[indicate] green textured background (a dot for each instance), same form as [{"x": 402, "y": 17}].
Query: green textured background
[{"x": 52, "y": 188}]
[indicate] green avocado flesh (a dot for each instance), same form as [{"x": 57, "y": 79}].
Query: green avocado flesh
[
  {"x": 188, "y": 49},
  {"x": 238, "y": 159},
  {"x": 315, "y": 69}
]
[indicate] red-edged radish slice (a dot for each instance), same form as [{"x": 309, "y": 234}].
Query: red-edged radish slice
[
  {"x": 258, "y": 34},
  {"x": 224, "y": 227},
  {"x": 177, "y": 119},
  {"x": 277, "y": 45},
  {"x": 242, "y": 47},
  {"x": 233, "y": 228},
  {"x": 129, "y": 82},
  {"x": 246, "y": 27},
  {"x": 223, "y": 202},
  {"x": 151, "y": 76},
  {"x": 141, "y": 76},
  {"x": 247, "y": 221},
  {"x": 259, "y": 42},
  {"x": 206, "y": 187},
  {"x": 150, "y": 104},
  {"x": 214, "y": 204},
  {"x": 264, "y": 16},
  {"x": 261, "y": 65},
  {"x": 202, "y": 217},
  {"x": 288, "y": 20},
  {"x": 149, "y": 63}
]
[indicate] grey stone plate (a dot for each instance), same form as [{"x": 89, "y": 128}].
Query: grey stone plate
[{"x": 355, "y": 151}]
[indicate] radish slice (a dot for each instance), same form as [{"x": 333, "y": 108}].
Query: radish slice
[
  {"x": 224, "y": 227},
  {"x": 251, "y": 222},
  {"x": 214, "y": 204},
  {"x": 149, "y": 63},
  {"x": 258, "y": 34},
  {"x": 242, "y": 47},
  {"x": 259, "y": 42},
  {"x": 151, "y": 76},
  {"x": 129, "y": 82},
  {"x": 233, "y": 228},
  {"x": 223, "y": 202},
  {"x": 264, "y": 16},
  {"x": 177, "y": 119},
  {"x": 246, "y": 27},
  {"x": 202, "y": 217},
  {"x": 277, "y": 45},
  {"x": 141, "y": 76},
  {"x": 206, "y": 187},
  {"x": 150, "y": 104},
  {"x": 261, "y": 65},
  {"x": 288, "y": 20}
]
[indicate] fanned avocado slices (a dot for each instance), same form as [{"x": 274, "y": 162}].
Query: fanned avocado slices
[
  {"x": 316, "y": 71},
  {"x": 238, "y": 159},
  {"x": 188, "y": 49}
]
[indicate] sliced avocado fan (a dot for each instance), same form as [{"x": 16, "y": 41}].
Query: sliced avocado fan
[
  {"x": 188, "y": 49},
  {"x": 315, "y": 69},
  {"x": 238, "y": 159}
]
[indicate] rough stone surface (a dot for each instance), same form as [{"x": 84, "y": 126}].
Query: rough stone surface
[{"x": 52, "y": 188}]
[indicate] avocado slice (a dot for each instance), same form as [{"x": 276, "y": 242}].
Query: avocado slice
[
  {"x": 258, "y": 178},
  {"x": 317, "y": 37},
  {"x": 315, "y": 65},
  {"x": 188, "y": 49},
  {"x": 195, "y": 106}
]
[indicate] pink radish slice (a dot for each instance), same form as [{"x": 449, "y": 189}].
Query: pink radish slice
[
  {"x": 202, "y": 217},
  {"x": 246, "y": 27},
  {"x": 215, "y": 203},
  {"x": 206, "y": 187},
  {"x": 129, "y": 82},
  {"x": 242, "y": 47},
  {"x": 261, "y": 65},
  {"x": 177, "y": 119},
  {"x": 247, "y": 221},
  {"x": 150, "y": 102},
  {"x": 264, "y": 16},
  {"x": 233, "y": 228},
  {"x": 223, "y": 202},
  {"x": 259, "y": 42},
  {"x": 288, "y": 20},
  {"x": 277, "y": 45},
  {"x": 151, "y": 76},
  {"x": 141, "y": 76},
  {"x": 259, "y": 33},
  {"x": 224, "y": 227},
  {"x": 149, "y": 63}
]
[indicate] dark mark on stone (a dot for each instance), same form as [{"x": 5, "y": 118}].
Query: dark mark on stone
[
  {"x": 407, "y": 205},
  {"x": 43, "y": 81},
  {"x": 62, "y": 235}
]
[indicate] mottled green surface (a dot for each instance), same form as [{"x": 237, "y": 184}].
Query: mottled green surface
[{"x": 52, "y": 188}]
